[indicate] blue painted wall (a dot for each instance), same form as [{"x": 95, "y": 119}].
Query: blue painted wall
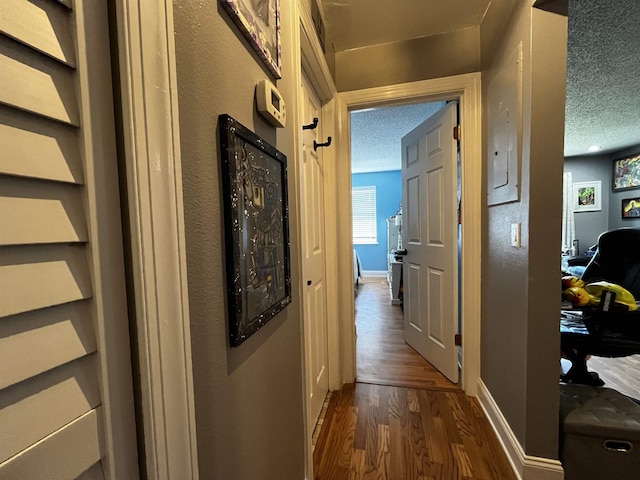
[{"x": 388, "y": 197}]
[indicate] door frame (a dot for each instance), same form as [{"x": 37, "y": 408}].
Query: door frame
[
  {"x": 149, "y": 103},
  {"x": 466, "y": 89},
  {"x": 310, "y": 377},
  {"x": 314, "y": 65}
]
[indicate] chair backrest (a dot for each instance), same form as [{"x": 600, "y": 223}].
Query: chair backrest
[{"x": 617, "y": 260}]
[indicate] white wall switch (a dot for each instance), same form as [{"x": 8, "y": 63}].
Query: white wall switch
[{"x": 515, "y": 235}]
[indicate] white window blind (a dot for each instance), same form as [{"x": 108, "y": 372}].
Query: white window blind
[{"x": 363, "y": 204}]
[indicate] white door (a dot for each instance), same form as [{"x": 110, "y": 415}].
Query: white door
[
  {"x": 66, "y": 399},
  {"x": 429, "y": 199},
  {"x": 315, "y": 292}
]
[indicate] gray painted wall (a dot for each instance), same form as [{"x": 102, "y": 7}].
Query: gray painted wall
[
  {"x": 408, "y": 61},
  {"x": 494, "y": 24},
  {"x": 589, "y": 225},
  {"x": 520, "y": 302},
  {"x": 249, "y": 399}
]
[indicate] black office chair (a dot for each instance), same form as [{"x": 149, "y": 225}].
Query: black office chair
[{"x": 600, "y": 333}]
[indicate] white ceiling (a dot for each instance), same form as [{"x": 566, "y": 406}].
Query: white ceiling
[{"x": 603, "y": 77}]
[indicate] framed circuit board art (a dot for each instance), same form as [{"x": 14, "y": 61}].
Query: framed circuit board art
[{"x": 256, "y": 229}]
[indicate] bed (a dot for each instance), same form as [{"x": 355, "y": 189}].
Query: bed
[{"x": 357, "y": 271}]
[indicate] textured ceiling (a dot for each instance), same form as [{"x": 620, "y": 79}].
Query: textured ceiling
[
  {"x": 603, "y": 76},
  {"x": 376, "y": 134},
  {"x": 603, "y": 71}
]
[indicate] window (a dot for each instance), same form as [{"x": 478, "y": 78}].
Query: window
[{"x": 363, "y": 204}]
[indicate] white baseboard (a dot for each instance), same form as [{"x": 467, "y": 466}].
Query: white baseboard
[
  {"x": 374, "y": 273},
  {"x": 526, "y": 467}
]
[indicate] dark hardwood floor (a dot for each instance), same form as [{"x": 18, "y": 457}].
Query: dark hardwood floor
[
  {"x": 382, "y": 355},
  {"x": 402, "y": 420}
]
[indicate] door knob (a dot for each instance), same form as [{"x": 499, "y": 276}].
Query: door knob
[
  {"x": 309, "y": 283},
  {"x": 398, "y": 254}
]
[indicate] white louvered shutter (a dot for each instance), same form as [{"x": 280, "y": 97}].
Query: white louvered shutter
[{"x": 66, "y": 403}]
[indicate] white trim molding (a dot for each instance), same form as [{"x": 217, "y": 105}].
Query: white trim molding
[
  {"x": 154, "y": 189},
  {"x": 374, "y": 273},
  {"x": 311, "y": 61},
  {"x": 465, "y": 88},
  {"x": 526, "y": 467}
]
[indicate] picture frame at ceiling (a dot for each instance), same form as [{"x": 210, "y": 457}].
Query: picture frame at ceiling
[
  {"x": 256, "y": 220},
  {"x": 626, "y": 173},
  {"x": 631, "y": 208},
  {"x": 259, "y": 21},
  {"x": 587, "y": 196}
]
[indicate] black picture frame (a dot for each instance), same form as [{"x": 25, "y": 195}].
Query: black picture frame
[
  {"x": 256, "y": 221},
  {"x": 626, "y": 173},
  {"x": 631, "y": 208}
]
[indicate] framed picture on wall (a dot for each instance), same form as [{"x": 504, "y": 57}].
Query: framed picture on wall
[
  {"x": 259, "y": 22},
  {"x": 254, "y": 181},
  {"x": 631, "y": 208},
  {"x": 587, "y": 197},
  {"x": 626, "y": 173}
]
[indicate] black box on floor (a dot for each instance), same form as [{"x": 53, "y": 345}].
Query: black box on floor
[{"x": 599, "y": 434}]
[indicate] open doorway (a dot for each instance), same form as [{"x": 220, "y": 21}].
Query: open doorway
[
  {"x": 466, "y": 89},
  {"x": 381, "y": 181}
]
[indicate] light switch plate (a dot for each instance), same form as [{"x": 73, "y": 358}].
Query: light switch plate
[{"x": 515, "y": 235}]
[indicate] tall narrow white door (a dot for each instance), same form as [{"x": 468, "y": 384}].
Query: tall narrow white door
[
  {"x": 315, "y": 293},
  {"x": 430, "y": 271}
]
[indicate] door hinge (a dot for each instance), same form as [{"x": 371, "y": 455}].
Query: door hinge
[
  {"x": 457, "y": 132},
  {"x": 457, "y": 339}
]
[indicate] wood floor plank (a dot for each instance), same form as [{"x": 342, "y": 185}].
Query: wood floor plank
[
  {"x": 373, "y": 441},
  {"x": 357, "y": 469},
  {"x": 397, "y": 449},
  {"x": 473, "y": 436},
  {"x": 382, "y": 413},
  {"x": 362, "y": 422},
  {"x": 330, "y": 465},
  {"x": 420, "y": 464},
  {"x": 382, "y": 459},
  {"x": 414, "y": 404},
  {"x": 448, "y": 420},
  {"x": 457, "y": 418},
  {"x": 462, "y": 461}
]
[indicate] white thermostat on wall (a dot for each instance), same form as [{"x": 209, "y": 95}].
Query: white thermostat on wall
[{"x": 270, "y": 103}]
